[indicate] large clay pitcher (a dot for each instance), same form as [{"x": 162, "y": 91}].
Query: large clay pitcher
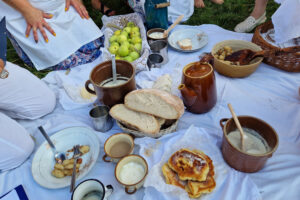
[{"x": 198, "y": 87}]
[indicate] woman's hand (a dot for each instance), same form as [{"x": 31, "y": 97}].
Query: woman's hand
[
  {"x": 35, "y": 20},
  {"x": 79, "y": 7}
]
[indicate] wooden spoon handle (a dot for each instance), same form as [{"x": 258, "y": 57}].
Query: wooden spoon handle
[
  {"x": 237, "y": 123},
  {"x": 173, "y": 25}
]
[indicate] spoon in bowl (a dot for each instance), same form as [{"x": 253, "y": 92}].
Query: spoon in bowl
[
  {"x": 58, "y": 156},
  {"x": 114, "y": 69},
  {"x": 237, "y": 123},
  {"x": 166, "y": 32}
]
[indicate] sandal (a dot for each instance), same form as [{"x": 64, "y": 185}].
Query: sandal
[{"x": 103, "y": 9}]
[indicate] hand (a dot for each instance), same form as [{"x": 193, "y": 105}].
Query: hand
[
  {"x": 79, "y": 7},
  {"x": 35, "y": 20}
]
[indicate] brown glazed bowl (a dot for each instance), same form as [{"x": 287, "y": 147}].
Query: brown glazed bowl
[
  {"x": 151, "y": 39},
  {"x": 242, "y": 161},
  {"x": 115, "y": 94}
]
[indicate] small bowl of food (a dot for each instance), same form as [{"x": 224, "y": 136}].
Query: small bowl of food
[
  {"x": 260, "y": 142},
  {"x": 156, "y": 34},
  {"x": 234, "y": 69}
]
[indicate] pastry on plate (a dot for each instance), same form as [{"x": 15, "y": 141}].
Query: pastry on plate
[
  {"x": 189, "y": 165},
  {"x": 185, "y": 44}
]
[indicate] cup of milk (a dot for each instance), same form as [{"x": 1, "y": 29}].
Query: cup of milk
[
  {"x": 92, "y": 189},
  {"x": 118, "y": 146},
  {"x": 131, "y": 172}
]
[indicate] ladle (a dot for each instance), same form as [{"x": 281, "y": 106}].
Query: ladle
[
  {"x": 245, "y": 56},
  {"x": 114, "y": 70},
  {"x": 166, "y": 32},
  {"x": 237, "y": 123},
  {"x": 58, "y": 156}
]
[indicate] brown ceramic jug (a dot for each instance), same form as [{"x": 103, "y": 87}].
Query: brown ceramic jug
[
  {"x": 113, "y": 94},
  {"x": 198, "y": 87}
]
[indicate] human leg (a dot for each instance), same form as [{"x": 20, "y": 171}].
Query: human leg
[
  {"x": 23, "y": 95},
  {"x": 257, "y": 17},
  {"x": 16, "y": 144}
]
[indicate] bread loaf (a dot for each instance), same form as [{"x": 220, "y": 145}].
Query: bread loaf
[
  {"x": 156, "y": 102},
  {"x": 140, "y": 121},
  {"x": 163, "y": 83}
]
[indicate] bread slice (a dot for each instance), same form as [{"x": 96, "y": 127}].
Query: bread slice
[
  {"x": 185, "y": 44},
  {"x": 155, "y": 102},
  {"x": 140, "y": 121}
]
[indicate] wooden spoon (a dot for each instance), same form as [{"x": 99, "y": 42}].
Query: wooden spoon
[
  {"x": 245, "y": 56},
  {"x": 166, "y": 32},
  {"x": 237, "y": 123}
]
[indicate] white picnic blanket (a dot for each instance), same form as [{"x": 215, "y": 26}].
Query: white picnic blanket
[{"x": 269, "y": 94}]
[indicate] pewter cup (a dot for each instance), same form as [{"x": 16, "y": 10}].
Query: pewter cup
[
  {"x": 101, "y": 119},
  {"x": 154, "y": 61},
  {"x": 160, "y": 47}
]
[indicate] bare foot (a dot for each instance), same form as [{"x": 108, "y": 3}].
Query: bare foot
[
  {"x": 199, "y": 4},
  {"x": 104, "y": 9},
  {"x": 217, "y": 1}
]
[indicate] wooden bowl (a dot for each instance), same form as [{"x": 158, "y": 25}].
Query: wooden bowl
[
  {"x": 236, "y": 71},
  {"x": 243, "y": 161}
]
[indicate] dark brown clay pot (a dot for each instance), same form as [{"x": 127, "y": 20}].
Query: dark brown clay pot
[
  {"x": 198, "y": 89},
  {"x": 242, "y": 161},
  {"x": 111, "y": 95}
]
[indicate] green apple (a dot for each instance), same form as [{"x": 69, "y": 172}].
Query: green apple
[
  {"x": 128, "y": 58},
  {"x": 134, "y": 34},
  {"x": 135, "y": 28},
  {"x": 123, "y": 51},
  {"x": 126, "y": 43},
  {"x": 136, "y": 40},
  {"x": 113, "y": 39},
  {"x": 127, "y": 29},
  {"x": 121, "y": 38},
  {"x": 138, "y": 46},
  {"x": 124, "y": 33},
  {"x": 134, "y": 55},
  {"x": 118, "y": 32},
  {"x": 113, "y": 49},
  {"x": 115, "y": 44},
  {"x": 130, "y": 24},
  {"x": 118, "y": 58},
  {"x": 131, "y": 47}
]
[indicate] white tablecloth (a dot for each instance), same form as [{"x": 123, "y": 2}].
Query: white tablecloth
[{"x": 269, "y": 94}]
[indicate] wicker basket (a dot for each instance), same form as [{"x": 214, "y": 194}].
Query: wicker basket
[
  {"x": 167, "y": 130},
  {"x": 285, "y": 61}
]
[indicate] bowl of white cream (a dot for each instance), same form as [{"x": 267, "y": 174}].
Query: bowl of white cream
[
  {"x": 156, "y": 34},
  {"x": 131, "y": 172},
  {"x": 260, "y": 142}
]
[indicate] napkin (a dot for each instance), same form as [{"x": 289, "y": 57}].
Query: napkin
[
  {"x": 17, "y": 193},
  {"x": 230, "y": 184}
]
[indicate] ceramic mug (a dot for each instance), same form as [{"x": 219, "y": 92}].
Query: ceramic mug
[
  {"x": 127, "y": 165},
  {"x": 111, "y": 95},
  {"x": 117, "y": 146},
  {"x": 243, "y": 161},
  {"x": 198, "y": 87},
  {"x": 91, "y": 189}
]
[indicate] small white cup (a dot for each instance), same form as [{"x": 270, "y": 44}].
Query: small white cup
[
  {"x": 91, "y": 187},
  {"x": 119, "y": 140},
  {"x": 131, "y": 188}
]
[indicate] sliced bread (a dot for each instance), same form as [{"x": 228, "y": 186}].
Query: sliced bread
[
  {"x": 155, "y": 102},
  {"x": 140, "y": 121},
  {"x": 185, "y": 44}
]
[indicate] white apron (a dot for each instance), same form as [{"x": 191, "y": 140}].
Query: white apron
[{"x": 71, "y": 30}]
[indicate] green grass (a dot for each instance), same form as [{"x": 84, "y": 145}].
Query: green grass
[{"x": 226, "y": 15}]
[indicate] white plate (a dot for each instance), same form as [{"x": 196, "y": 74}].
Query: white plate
[
  {"x": 43, "y": 161},
  {"x": 198, "y": 37}
]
